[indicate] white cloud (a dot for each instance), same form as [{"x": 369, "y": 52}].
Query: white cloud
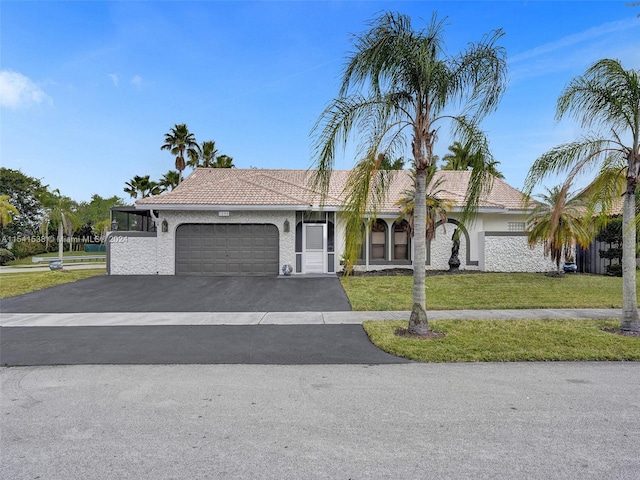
[
  {"x": 114, "y": 79},
  {"x": 577, "y": 38},
  {"x": 18, "y": 91},
  {"x": 137, "y": 81}
]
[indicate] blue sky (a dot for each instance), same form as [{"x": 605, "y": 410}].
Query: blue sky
[{"x": 88, "y": 89}]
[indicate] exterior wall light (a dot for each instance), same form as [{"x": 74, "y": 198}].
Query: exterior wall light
[
  {"x": 114, "y": 225},
  {"x": 165, "y": 226},
  {"x": 286, "y": 226}
]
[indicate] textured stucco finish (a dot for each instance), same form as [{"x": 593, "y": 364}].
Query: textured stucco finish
[
  {"x": 440, "y": 250},
  {"x": 132, "y": 255},
  {"x": 166, "y": 241},
  {"x": 509, "y": 253},
  {"x": 494, "y": 252}
]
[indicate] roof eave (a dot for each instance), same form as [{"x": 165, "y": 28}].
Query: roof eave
[{"x": 234, "y": 208}]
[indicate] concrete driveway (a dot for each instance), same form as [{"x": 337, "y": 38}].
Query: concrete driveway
[{"x": 185, "y": 294}]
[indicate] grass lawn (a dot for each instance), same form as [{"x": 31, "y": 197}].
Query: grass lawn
[
  {"x": 486, "y": 291},
  {"x": 508, "y": 341},
  {"x": 12, "y": 284}
]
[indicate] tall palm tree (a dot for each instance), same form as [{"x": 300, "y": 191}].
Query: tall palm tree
[
  {"x": 169, "y": 180},
  {"x": 180, "y": 142},
  {"x": 559, "y": 220},
  {"x": 606, "y": 96},
  {"x": 7, "y": 211},
  {"x": 143, "y": 186},
  {"x": 437, "y": 205},
  {"x": 61, "y": 211},
  {"x": 410, "y": 87},
  {"x": 461, "y": 158}
]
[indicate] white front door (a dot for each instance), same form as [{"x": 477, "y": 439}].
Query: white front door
[{"x": 315, "y": 248}]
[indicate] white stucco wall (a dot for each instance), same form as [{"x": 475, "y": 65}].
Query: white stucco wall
[
  {"x": 166, "y": 240},
  {"x": 440, "y": 249},
  {"x": 511, "y": 253},
  {"x": 130, "y": 253}
]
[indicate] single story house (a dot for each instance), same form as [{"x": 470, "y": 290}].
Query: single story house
[{"x": 222, "y": 221}]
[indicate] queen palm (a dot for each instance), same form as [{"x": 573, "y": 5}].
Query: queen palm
[
  {"x": 410, "y": 86},
  {"x": 61, "y": 212},
  {"x": 436, "y": 204},
  {"x": 180, "y": 142},
  {"x": 606, "y": 96},
  {"x": 559, "y": 221}
]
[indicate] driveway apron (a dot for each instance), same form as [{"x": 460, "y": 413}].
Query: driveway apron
[
  {"x": 195, "y": 344},
  {"x": 168, "y": 293}
]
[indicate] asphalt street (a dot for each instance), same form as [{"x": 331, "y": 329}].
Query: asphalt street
[{"x": 413, "y": 421}]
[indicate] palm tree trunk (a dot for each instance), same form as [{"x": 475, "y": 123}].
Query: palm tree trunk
[
  {"x": 60, "y": 241},
  {"x": 629, "y": 321},
  {"x": 418, "y": 322}
]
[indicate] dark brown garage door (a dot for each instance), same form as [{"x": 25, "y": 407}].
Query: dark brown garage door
[{"x": 227, "y": 249}]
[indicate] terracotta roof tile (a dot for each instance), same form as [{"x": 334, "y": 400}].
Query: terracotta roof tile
[{"x": 238, "y": 187}]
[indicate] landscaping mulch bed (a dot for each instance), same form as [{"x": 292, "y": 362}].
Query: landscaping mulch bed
[
  {"x": 406, "y": 272},
  {"x": 617, "y": 331},
  {"x": 431, "y": 335}
]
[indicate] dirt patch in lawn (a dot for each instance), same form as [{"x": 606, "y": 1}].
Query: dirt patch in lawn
[
  {"x": 617, "y": 331},
  {"x": 430, "y": 335}
]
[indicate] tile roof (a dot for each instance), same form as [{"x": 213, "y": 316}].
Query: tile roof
[{"x": 256, "y": 187}]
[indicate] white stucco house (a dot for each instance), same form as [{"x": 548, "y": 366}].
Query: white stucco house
[{"x": 254, "y": 222}]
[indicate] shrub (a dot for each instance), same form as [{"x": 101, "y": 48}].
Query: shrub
[
  {"x": 6, "y": 256},
  {"x": 27, "y": 248}
]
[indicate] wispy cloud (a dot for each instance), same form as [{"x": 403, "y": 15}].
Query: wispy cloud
[
  {"x": 136, "y": 81},
  {"x": 18, "y": 91},
  {"x": 114, "y": 79},
  {"x": 576, "y": 38}
]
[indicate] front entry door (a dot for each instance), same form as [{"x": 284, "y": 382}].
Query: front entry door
[{"x": 315, "y": 248}]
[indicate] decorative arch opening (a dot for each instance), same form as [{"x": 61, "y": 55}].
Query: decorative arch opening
[{"x": 464, "y": 231}]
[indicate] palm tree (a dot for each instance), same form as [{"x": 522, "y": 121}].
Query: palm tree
[
  {"x": 60, "y": 212},
  {"x": 143, "y": 186},
  {"x": 461, "y": 158},
  {"x": 169, "y": 180},
  {"x": 223, "y": 161},
  {"x": 180, "y": 141},
  {"x": 437, "y": 206},
  {"x": 606, "y": 96},
  {"x": 412, "y": 87},
  {"x": 559, "y": 220},
  {"x": 203, "y": 155},
  {"x": 7, "y": 211}
]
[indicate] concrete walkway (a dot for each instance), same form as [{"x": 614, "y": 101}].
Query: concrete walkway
[{"x": 277, "y": 318}]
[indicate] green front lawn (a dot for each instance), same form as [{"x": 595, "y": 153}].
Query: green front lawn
[
  {"x": 508, "y": 341},
  {"x": 486, "y": 291},
  {"x": 12, "y": 284}
]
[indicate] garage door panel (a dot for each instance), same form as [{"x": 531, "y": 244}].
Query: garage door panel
[{"x": 227, "y": 249}]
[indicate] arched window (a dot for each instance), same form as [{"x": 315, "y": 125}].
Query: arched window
[
  {"x": 378, "y": 240},
  {"x": 401, "y": 240}
]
